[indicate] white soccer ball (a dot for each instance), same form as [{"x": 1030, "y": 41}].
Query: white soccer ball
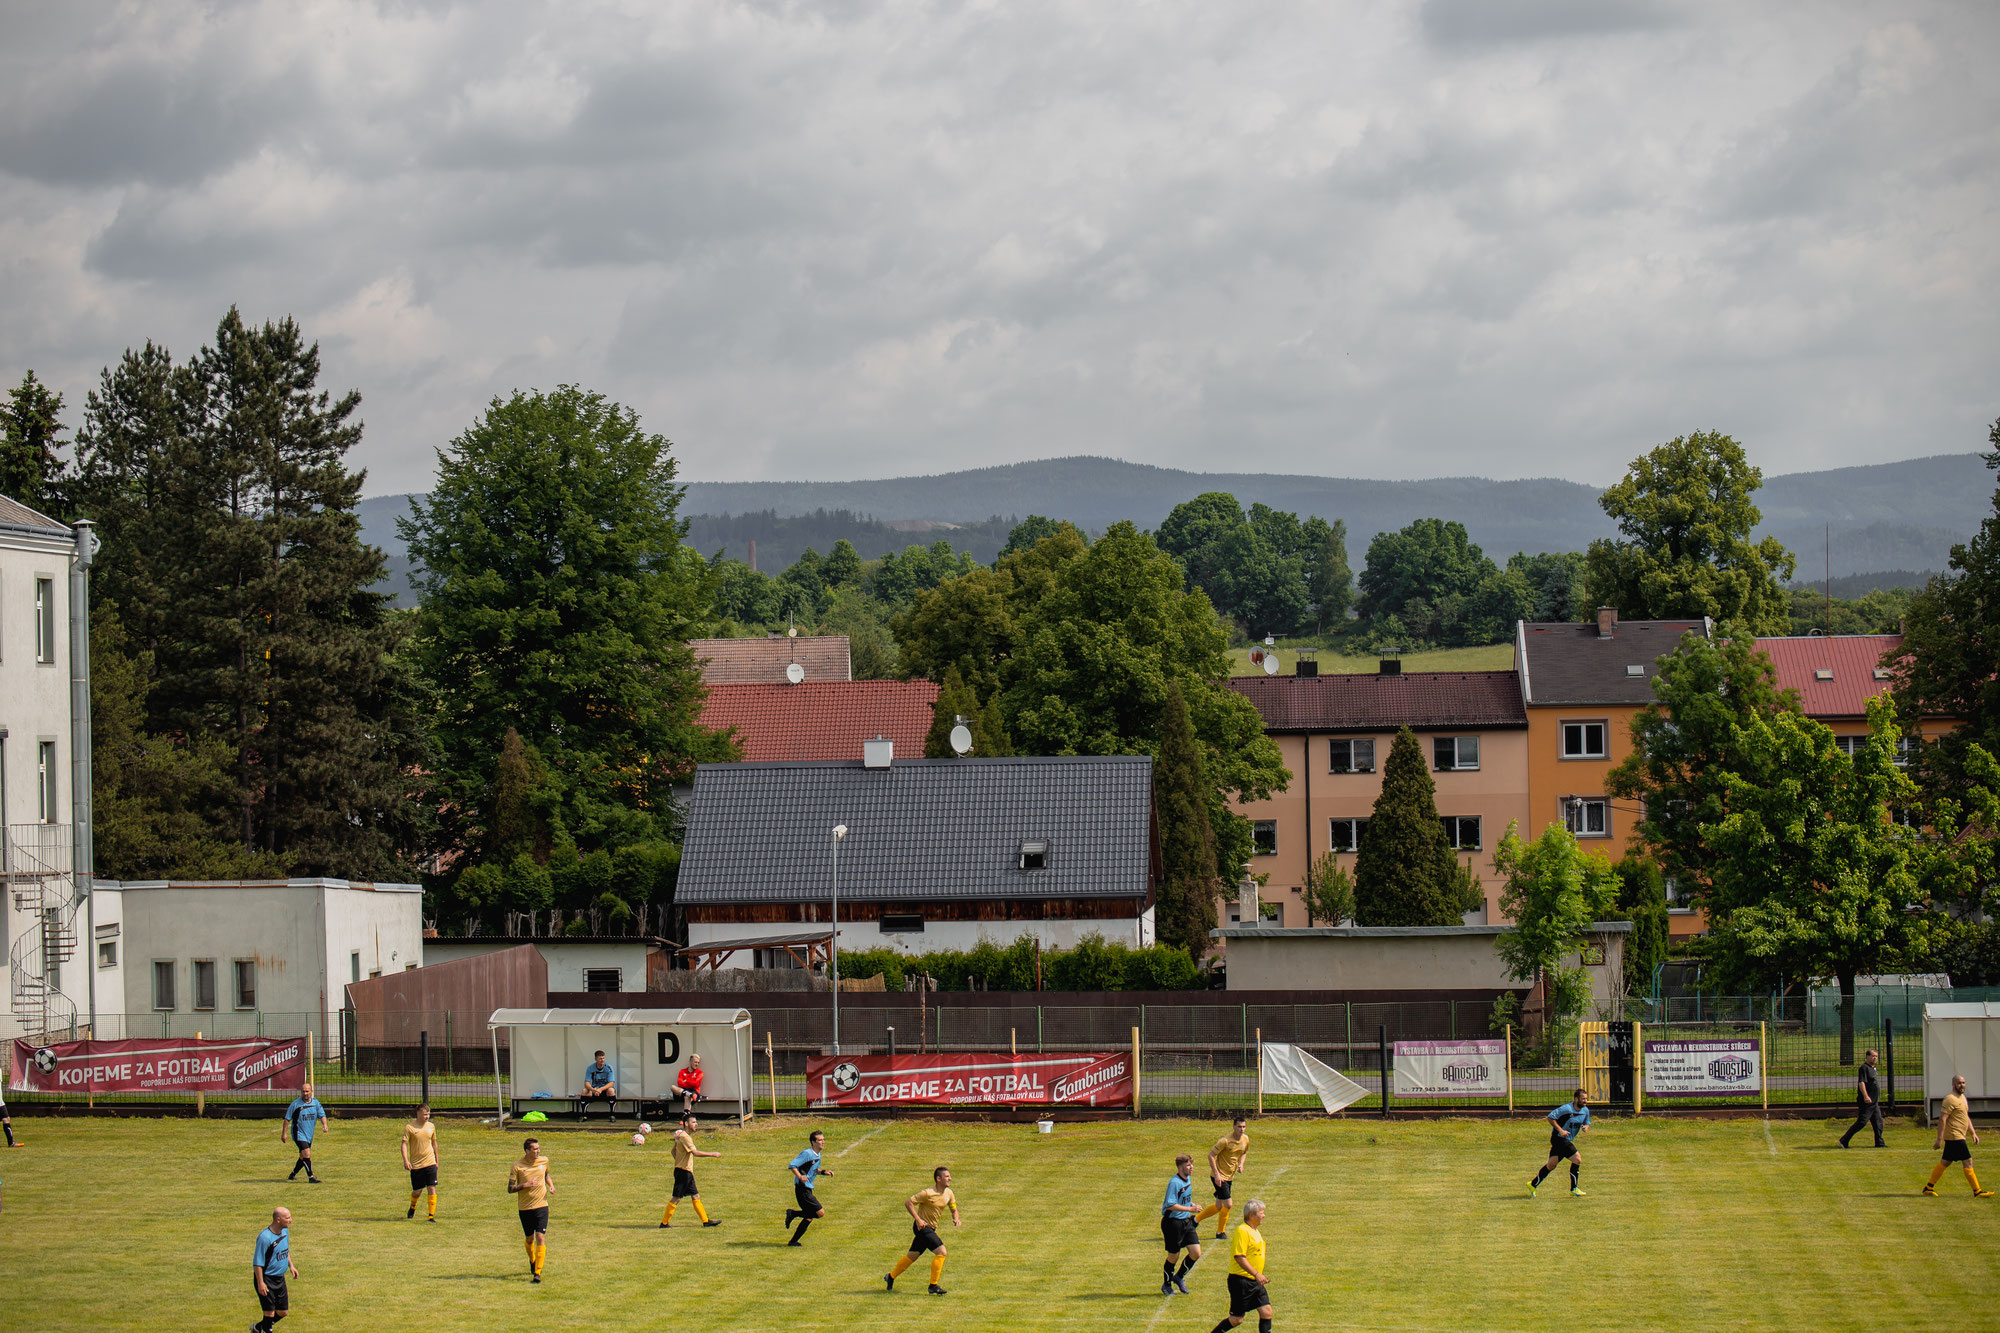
[
  {"x": 846, "y": 1077},
  {"x": 638, "y": 1140},
  {"x": 45, "y": 1060},
  {"x": 645, "y": 1128}
]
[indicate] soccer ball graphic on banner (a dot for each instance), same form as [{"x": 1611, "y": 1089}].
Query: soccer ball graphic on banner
[
  {"x": 45, "y": 1060},
  {"x": 638, "y": 1140},
  {"x": 846, "y": 1077}
]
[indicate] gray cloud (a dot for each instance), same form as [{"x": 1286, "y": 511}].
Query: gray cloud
[{"x": 1507, "y": 238}]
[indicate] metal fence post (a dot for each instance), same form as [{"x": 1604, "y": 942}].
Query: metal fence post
[
  {"x": 892, "y": 1043},
  {"x": 1038, "y": 1029},
  {"x": 448, "y": 1066},
  {"x": 1245, "y": 1047},
  {"x": 1889, "y": 1054},
  {"x": 1383, "y": 1042},
  {"x": 424, "y": 1062},
  {"x": 1349, "y": 1060}
]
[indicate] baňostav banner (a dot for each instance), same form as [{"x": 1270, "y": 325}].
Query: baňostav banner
[
  {"x": 171, "y": 1065},
  {"x": 970, "y": 1080},
  {"x": 1473, "y": 1068},
  {"x": 1726, "y": 1068}
]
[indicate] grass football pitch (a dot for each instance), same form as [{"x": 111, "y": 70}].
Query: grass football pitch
[{"x": 148, "y": 1224}]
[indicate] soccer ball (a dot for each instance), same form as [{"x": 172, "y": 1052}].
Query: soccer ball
[
  {"x": 45, "y": 1060},
  {"x": 846, "y": 1077},
  {"x": 644, "y": 1129},
  {"x": 638, "y": 1140}
]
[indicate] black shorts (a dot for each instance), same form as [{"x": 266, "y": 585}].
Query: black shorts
[
  {"x": 809, "y": 1203},
  {"x": 1222, "y": 1190},
  {"x": 600, "y": 1094},
  {"x": 925, "y": 1238},
  {"x": 1177, "y": 1231},
  {"x": 423, "y": 1177},
  {"x": 1561, "y": 1145},
  {"x": 534, "y": 1220},
  {"x": 684, "y": 1186},
  {"x": 1957, "y": 1150},
  {"x": 1246, "y": 1295},
  {"x": 279, "y": 1298}
]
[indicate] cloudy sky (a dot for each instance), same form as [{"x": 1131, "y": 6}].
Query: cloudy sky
[{"x": 1502, "y": 237}]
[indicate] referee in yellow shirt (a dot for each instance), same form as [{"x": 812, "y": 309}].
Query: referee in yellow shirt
[{"x": 1247, "y": 1278}]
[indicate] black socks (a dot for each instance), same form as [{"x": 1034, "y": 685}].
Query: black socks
[
  {"x": 10, "y": 1134},
  {"x": 798, "y": 1235},
  {"x": 1186, "y": 1264},
  {"x": 1574, "y": 1168},
  {"x": 1222, "y": 1327},
  {"x": 1263, "y": 1326},
  {"x": 1541, "y": 1175}
]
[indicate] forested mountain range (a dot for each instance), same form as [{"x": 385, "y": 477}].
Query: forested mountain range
[{"x": 1886, "y": 516}]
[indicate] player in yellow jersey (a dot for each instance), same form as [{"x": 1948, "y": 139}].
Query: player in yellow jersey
[
  {"x": 1225, "y": 1163},
  {"x": 684, "y": 1187},
  {"x": 925, "y": 1207},
  {"x": 420, "y": 1159},
  {"x": 532, "y": 1186},
  {"x": 1955, "y": 1137},
  {"x": 1247, "y": 1278}
]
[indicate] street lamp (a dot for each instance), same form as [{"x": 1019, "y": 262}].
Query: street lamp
[{"x": 833, "y": 956}]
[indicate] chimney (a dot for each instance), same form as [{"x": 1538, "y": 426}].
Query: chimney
[
  {"x": 1391, "y": 666},
  {"x": 753, "y": 555},
  {"x": 1247, "y": 912},
  {"x": 1607, "y": 621},
  {"x": 877, "y": 753},
  {"x": 1307, "y": 668}
]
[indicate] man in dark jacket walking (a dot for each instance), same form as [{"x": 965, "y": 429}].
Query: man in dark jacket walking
[{"x": 1867, "y": 1102}]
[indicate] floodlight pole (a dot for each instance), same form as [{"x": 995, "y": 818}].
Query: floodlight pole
[{"x": 833, "y": 944}]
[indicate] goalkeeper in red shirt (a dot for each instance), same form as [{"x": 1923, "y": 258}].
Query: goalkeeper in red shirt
[{"x": 689, "y": 1082}]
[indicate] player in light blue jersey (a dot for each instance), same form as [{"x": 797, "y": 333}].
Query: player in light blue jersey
[
  {"x": 1565, "y": 1123},
  {"x": 1178, "y": 1230},
  {"x": 303, "y": 1120},
  {"x": 806, "y": 1171}
]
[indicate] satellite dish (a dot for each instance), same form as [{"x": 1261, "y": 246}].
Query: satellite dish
[
  {"x": 961, "y": 739},
  {"x": 791, "y": 631},
  {"x": 795, "y": 673},
  {"x": 1270, "y": 664},
  {"x": 1256, "y": 656}
]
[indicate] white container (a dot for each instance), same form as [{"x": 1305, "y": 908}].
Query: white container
[{"x": 1045, "y": 1126}]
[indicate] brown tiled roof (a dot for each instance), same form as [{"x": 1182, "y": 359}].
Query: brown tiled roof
[
  {"x": 1421, "y": 700},
  {"x": 763, "y": 661},
  {"x": 1573, "y": 664},
  {"x": 826, "y": 719},
  {"x": 19, "y": 515},
  {"x": 1850, "y": 661}
]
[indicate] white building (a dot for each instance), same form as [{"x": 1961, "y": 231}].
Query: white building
[
  {"x": 47, "y": 983},
  {"x": 576, "y": 962},
  {"x": 239, "y": 957}
]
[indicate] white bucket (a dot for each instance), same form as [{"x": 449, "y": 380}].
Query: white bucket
[{"x": 1045, "y": 1126}]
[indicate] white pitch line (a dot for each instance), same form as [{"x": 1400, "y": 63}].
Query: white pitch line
[
  {"x": 863, "y": 1139},
  {"x": 1768, "y": 1139}
]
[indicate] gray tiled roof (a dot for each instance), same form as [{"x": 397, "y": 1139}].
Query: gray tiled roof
[
  {"x": 1574, "y": 664},
  {"x": 16, "y": 514},
  {"x": 919, "y": 830}
]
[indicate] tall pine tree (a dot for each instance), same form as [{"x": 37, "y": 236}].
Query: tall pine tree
[
  {"x": 1405, "y": 873},
  {"x": 1186, "y": 909},
  {"x": 30, "y": 445}
]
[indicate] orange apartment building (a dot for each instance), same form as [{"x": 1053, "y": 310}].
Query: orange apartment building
[
  {"x": 1582, "y": 684},
  {"x": 1334, "y": 733}
]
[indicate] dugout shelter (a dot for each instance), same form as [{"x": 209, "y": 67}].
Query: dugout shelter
[
  {"x": 646, "y": 1049},
  {"x": 1962, "y": 1038}
]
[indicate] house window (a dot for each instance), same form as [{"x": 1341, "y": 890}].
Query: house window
[
  {"x": 107, "y": 953},
  {"x": 1455, "y": 752},
  {"x": 45, "y": 781},
  {"x": 45, "y": 621},
  {"x": 604, "y": 978},
  {"x": 1264, "y": 837},
  {"x": 246, "y": 983},
  {"x": 163, "y": 986},
  {"x": 1591, "y": 955},
  {"x": 1461, "y": 831},
  {"x": 204, "y": 983},
  {"x": 1854, "y": 746},
  {"x": 1034, "y": 856},
  {"x": 902, "y": 923},
  {"x": 1344, "y": 835},
  {"x": 1352, "y": 756},
  {"x": 354, "y": 966},
  {"x": 1583, "y": 740},
  {"x": 1677, "y": 901},
  {"x": 774, "y": 958},
  {"x": 1588, "y": 817}
]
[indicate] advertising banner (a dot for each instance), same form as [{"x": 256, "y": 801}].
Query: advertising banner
[
  {"x": 1103, "y": 1080},
  {"x": 251, "y": 1064},
  {"x": 1451, "y": 1068},
  {"x": 1733, "y": 1068}
]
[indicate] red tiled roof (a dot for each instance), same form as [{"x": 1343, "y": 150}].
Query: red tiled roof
[
  {"x": 1850, "y": 660},
  {"x": 1422, "y": 700},
  {"x": 763, "y": 661},
  {"x": 827, "y": 719}
]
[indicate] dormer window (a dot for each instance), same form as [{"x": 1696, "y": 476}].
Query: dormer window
[
  {"x": 1882, "y": 673},
  {"x": 1034, "y": 856},
  {"x": 1636, "y": 669},
  {"x": 1823, "y": 673}
]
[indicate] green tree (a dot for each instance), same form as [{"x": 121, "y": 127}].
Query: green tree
[
  {"x": 558, "y": 601},
  {"x": 1329, "y": 580},
  {"x": 1029, "y": 531},
  {"x": 1684, "y": 742},
  {"x": 1685, "y": 515},
  {"x": 1193, "y": 534},
  {"x": 843, "y": 566},
  {"x": 1186, "y": 907},
  {"x": 31, "y": 445},
  {"x": 1642, "y": 900},
  {"x": 1812, "y": 874},
  {"x": 1556, "y": 580},
  {"x": 1423, "y": 577},
  {"x": 1554, "y": 892},
  {"x": 955, "y": 701},
  {"x": 871, "y": 642},
  {"x": 744, "y": 595},
  {"x": 1329, "y": 895},
  {"x": 1405, "y": 873}
]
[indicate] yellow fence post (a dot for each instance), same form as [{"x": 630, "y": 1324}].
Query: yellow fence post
[
  {"x": 771, "y": 1068},
  {"x": 1510, "y": 1069},
  {"x": 1013, "y": 1048},
  {"x": 1764, "y": 1061},
  {"x": 1260, "y": 1071},
  {"x": 1135, "y": 1073},
  {"x": 200, "y": 1098}
]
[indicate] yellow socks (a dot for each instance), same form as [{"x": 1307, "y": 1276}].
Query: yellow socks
[
  {"x": 1972, "y": 1177},
  {"x": 541, "y": 1254},
  {"x": 433, "y": 1203},
  {"x": 1937, "y": 1174},
  {"x": 901, "y": 1264},
  {"x": 699, "y": 1211},
  {"x": 1222, "y": 1219},
  {"x": 668, "y": 1216},
  {"x": 937, "y": 1268},
  {"x": 413, "y": 1199},
  {"x": 1207, "y": 1213},
  {"x": 532, "y": 1266}
]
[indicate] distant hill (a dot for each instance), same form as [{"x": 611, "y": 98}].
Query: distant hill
[{"x": 1895, "y": 516}]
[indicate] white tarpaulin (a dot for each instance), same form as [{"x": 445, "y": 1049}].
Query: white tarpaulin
[{"x": 1288, "y": 1069}]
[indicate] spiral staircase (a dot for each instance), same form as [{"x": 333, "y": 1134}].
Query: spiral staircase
[{"x": 36, "y": 865}]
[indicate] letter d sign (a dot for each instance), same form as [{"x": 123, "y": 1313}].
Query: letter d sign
[{"x": 670, "y": 1048}]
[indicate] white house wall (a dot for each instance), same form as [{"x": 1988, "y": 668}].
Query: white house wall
[
  {"x": 567, "y": 960},
  {"x": 961, "y": 935}
]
